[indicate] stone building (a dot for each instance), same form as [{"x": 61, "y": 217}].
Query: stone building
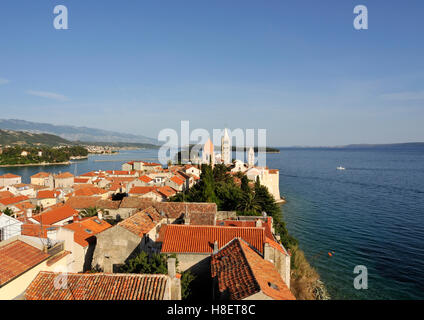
[
  {"x": 226, "y": 148},
  {"x": 126, "y": 239},
  {"x": 240, "y": 272}
]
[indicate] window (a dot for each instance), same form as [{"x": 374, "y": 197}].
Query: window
[
  {"x": 273, "y": 286},
  {"x": 2, "y": 234}
]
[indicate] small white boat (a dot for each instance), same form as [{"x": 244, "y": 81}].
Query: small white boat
[{"x": 341, "y": 168}]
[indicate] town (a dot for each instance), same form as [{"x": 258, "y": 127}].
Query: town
[{"x": 135, "y": 234}]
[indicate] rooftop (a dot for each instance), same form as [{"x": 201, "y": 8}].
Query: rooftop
[
  {"x": 55, "y": 215},
  {"x": 16, "y": 258},
  {"x": 201, "y": 239},
  {"x": 142, "y": 222},
  {"x": 98, "y": 286},
  {"x": 242, "y": 272}
]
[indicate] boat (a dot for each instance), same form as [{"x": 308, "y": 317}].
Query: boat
[{"x": 341, "y": 168}]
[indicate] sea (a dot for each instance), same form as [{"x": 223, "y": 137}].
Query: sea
[{"x": 370, "y": 215}]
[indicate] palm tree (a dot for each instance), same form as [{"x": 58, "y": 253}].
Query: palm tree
[
  {"x": 89, "y": 212},
  {"x": 248, "y": 203},
  {"x": 8, "y": 211}
]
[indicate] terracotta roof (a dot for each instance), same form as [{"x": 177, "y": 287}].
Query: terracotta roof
[
  {"x": 89, "y": 174},
  {"x": 6, "y": 194},
  {"x": 152, "y": 164},
  {"x": 83, "y": 202},
  {"x": 64, "y": 175},
  {"x": 141, "y": 190},
  {"x": 41, "y": 175},
  {"x": 177, "y": 180},
  {"x": 9, "y": 176},
  {"x": 145, "y": 179},
  {"x": 242, "y": 272},
  {"x": 8, "y": 201},
  {"x": 89, "y": 191},
  {"x": 243, "y": 223},
  {"x": 98, "y": 286},
  {"x": 81, "y": 180},
  {"x": 197, "y": 210},
  {"x": 273, "y": 171},
  {"x": 47, "y": 194},
  {"x": 167, "y": 191},
  {"x": 142, "y": 222},
  {"x": 120, "y": 172},
  {"x": 55, "y": 215},
  {"x": 16, "y": 258},
  {"x": 86, "y": 229},
  {"x": 23, "y": 206},
  {"x": 200, "y": 239},
  {"x": 36, "y": 230}
]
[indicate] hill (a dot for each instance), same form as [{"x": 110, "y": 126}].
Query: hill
[
  {"x": 74, "y": 133},
  {"x": 9, "y": 137}
]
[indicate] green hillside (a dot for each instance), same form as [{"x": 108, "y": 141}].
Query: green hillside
[{"x": 9, "y": 137}]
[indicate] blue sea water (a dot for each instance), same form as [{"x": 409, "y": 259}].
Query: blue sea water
[{"x": 370, "y": 214}]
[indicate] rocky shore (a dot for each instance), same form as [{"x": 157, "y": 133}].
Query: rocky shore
[{"x": 320, "y": 291}]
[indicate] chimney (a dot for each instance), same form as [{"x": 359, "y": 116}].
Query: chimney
[
  {"x": 267, "y": 252},
  {"x": 215, "y": 247},
  {"x": 29, "y": 213},
  {"x": 172, "y": 270},
  {"x": 76, "y": 217},
  {"x": 258, "y": 223},
  {"x": 100, "y": 215}
]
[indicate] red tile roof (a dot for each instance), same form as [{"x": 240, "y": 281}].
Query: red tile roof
[
  {"x": 81, "y": 180},
  {"x": 241, "y": 272},
  {"x": 85, "y": 230},
  {"x": 89, "y": 191},
  {"x": 16, "y": 258},
  {"x": 142, "y": 222},
  {"x": 47, "y": 194},
  {"x": 141, "y": 190},
  {"x": 244, "y": 223},
  {"x": 199, "y": 212},
  {"x": 167, "y": 191},
  {"x": 145, "y": 179},
  {"x": 200, "y": 239},
  {"x": 55, "y": 215},
  {"x": 9, "y": 176},
  {"x": 177, "y": 180},
  {"x": 64, "y": 175},
  {"x": 41, "y": 175},
  {"x": 84, "y": 202},
  {"x": 98, "y": 286},
  {"x": 8, "y": 201},
  {"x": 6, "y": 194}
]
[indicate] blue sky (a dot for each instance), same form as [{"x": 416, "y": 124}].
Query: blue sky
[{"x": 296, "y": 68}]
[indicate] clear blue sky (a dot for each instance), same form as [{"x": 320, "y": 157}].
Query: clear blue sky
[{"x": 296, "y": 68}]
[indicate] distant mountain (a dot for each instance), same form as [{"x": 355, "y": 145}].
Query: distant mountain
[
  {"x": 402, "y": 146},
  {"x": 8, "y": 137},
  {"x": 74, "y": 133}
]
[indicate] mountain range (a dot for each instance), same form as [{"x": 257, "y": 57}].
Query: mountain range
[{"x": 74, "y": 133}]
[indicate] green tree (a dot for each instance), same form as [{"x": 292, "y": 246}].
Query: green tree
[
  {"x": 248, "y": 203},
  {"x": 89, "y": 212},
  {"x": 186, "y": 279},
  {"x": 142, "y": 263},
  {"x": 8, "y": 211}
]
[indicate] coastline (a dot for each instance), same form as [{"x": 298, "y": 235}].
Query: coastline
[
  {"x": 306, "y": 283},
  {"x": 35, "y": 164}
]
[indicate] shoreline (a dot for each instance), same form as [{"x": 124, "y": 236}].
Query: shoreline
[
  {"x": 305, "y": 277},
  {"x": 41, "y": 164}
]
